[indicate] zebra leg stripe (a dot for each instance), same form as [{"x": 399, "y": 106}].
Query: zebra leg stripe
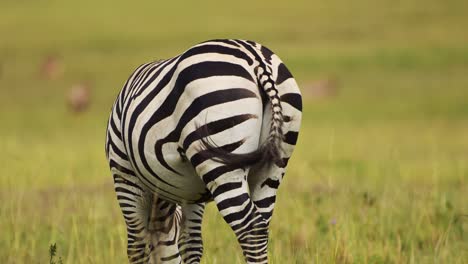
[
  {"x": 230, "y": 192},
  {"x": 164, "y": 229},
  {"x": 190, "y": 241},
  {"x": 263, "y": 184},
  {"x": 135, "y": 204}
]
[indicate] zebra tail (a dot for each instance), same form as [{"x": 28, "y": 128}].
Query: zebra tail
[{"x": 270, "y": 151}]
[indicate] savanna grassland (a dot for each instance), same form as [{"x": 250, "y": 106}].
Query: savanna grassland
[{"x": 380, "y": 173}]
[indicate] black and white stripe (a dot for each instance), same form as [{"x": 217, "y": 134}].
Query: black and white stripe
[{"x": 217, "y": 123}]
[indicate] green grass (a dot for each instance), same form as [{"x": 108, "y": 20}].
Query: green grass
[{"x": 380, "y": 173}]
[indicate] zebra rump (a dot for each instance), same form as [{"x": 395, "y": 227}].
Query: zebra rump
[{"x": 269, "y": 152}]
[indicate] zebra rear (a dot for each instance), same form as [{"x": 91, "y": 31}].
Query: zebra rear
[{"x": 219, "y": 122}]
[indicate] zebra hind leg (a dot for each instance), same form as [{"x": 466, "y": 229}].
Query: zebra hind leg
[
  {"x": 164, "y": 229},
  {"x": 230, "y": 191},
  {"x": 190, "y": 240},
  {"x": 135, "y": 203},
  {"x": 264, "y": 182}
]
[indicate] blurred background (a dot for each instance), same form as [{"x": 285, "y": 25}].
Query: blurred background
[{"x": 380, "y": 170}]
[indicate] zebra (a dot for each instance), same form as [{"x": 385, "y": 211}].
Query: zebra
[{"x": 219, "y": 123}]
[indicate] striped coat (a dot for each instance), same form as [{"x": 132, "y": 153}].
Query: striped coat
[{"x": 217, "y": 123}]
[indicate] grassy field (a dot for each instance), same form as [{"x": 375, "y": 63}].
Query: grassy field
[{"x": 380, "y": 173}]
